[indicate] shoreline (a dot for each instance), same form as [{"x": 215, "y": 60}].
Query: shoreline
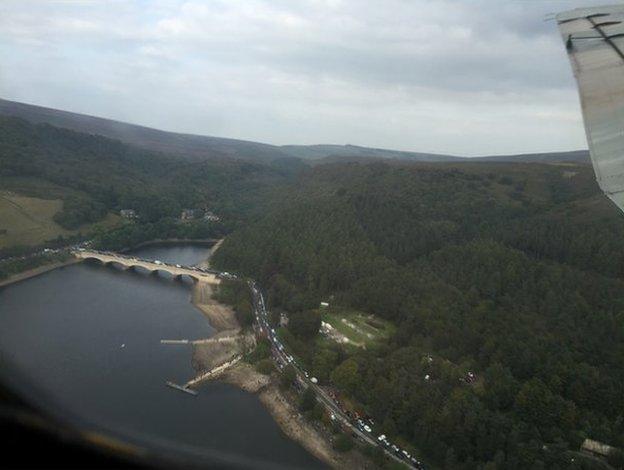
[
  {"x": 242, "y": 375},
  {"x": 206, "y": 263},
  {"x": 275, "y": 401},
  {"x": 34, "y": 272},
  {"x": 290, "y": 421},
  {"x": 221, "y": 317}
]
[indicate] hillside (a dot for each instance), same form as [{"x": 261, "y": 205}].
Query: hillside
[
  {"x": 514, "y": 272},
  {"x": 511, "y": 271},
  {"x": 200, "y": 147},
  {"x": 31, "y": 221},
  {"x": 72, "y": 179},
  {"x": 185, "y": 145}
]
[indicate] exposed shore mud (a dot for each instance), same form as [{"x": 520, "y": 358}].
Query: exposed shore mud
[
  {"x": 290, "y": 421},
  {"x": 221, "y": 317}
]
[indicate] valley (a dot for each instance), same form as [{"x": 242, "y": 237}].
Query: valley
[{"x": 405, "y": 288}]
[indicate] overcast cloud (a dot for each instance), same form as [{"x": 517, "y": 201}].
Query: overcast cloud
[{"x": 462, "y": 77}]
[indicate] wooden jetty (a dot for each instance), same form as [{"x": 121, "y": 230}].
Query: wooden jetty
[{"x": 182, "y": 388}]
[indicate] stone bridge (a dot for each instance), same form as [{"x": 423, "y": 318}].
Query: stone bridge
[{"x": 153, "y": 266}]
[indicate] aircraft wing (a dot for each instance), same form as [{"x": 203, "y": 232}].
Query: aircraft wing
[{"x": 594, "y": 40}]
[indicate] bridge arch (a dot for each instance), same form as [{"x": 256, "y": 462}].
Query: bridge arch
[
  {"x": 139, "y": 268},
  {"x": 116, "y": 264},
  {"x": 181, "y": 277},
  {"x": 128, "y": 263},
  {"x": 155, "y": 271}
]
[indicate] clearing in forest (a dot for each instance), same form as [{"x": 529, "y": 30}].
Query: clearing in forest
[{"x": 359, "y": 328}]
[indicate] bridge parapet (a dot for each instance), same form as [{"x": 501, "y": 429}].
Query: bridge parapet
[{"x": 153, "y": 266}]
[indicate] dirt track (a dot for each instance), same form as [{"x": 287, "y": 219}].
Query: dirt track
[{"x": 215, "y": 247}]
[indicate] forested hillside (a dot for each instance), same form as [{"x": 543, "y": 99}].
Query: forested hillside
[
  {"x": 94, "y": 175},
  {"x": 513, "y": 272}
]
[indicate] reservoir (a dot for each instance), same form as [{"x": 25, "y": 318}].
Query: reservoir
[{"x": 85, "y": 340}]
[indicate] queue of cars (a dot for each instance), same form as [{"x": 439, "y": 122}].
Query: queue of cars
[
  {"x": 45, "y": 251},
  {"x": 219, "y": 274},
  {"x": 330, "y": 399},
  {"x": 304, "y": 378}
]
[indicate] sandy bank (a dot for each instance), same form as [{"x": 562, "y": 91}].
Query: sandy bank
[
  {"x": 286, "y": 415},
  {"x": 245, "y": 377},
  {"x": 315, "y": 441},
  {"x": 207, "y": 356},
  {"x": 37, "y": 271},
  {"x": 221, "y": 317}
]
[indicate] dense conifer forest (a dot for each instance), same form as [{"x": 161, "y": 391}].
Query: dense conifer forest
[{"x": 511, "y": 272}]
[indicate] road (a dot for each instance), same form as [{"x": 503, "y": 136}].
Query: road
[
  {"x": 364, "y": 433},
  {"x": 176, "y": 270},
  {"x": 283, "y": 358}
]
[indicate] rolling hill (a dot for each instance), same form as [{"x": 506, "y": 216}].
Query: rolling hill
[
  {"x": 194, "y": 147},
  {"x": 318, "y": 152},
  {"x": 200, "y": 147},
  {"x": 93, "y": 175},
  {"x": 575, "y": 156}
]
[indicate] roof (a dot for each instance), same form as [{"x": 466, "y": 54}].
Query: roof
[{"x": 597, "y": 447}]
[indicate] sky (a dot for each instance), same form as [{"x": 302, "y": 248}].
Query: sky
[{"x": 461, "y": 77}]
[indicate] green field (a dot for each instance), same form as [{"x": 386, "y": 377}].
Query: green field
[
  {"x": 26, "y": 220},
  {"x": 361, "y": 329}
]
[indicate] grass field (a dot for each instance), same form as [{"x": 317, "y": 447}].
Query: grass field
[
  {"x": 361, "y": 329},
  {"x": 26, "y": 220}
]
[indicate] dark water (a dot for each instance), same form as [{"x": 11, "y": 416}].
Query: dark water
[{"x": 64, "y": 332}]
